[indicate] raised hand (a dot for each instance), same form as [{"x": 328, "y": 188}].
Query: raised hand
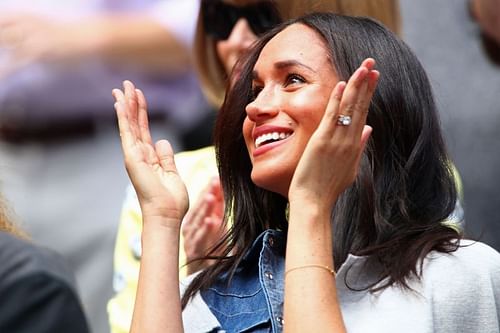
[
  {"x": 151, "y": 168},
  {"x": 202, "y": 226},
  {"x": 328, "y": 165},
  {"x": 330, "y": 160}
]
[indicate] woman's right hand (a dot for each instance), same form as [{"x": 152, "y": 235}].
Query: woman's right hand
[{"x": 151, "y": 168}]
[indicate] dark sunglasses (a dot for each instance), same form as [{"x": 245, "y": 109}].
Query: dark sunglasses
[{"x": 219, "y": 18}]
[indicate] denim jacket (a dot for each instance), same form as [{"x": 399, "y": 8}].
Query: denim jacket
[
  {"x": 457, "y": 293},
  {"x": 253, "y": 302}
]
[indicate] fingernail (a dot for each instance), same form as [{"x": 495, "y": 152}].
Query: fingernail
[
  {"x": 361, "y": 73},
  {"x": 340, "y": 89}
]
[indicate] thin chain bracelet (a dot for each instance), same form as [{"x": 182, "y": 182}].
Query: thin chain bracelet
[{"x": 328, "y": 268}]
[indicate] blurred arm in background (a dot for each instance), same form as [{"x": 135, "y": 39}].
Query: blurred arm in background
[{"x": 51, "y": 51}]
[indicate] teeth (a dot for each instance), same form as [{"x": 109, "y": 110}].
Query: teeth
[{"x": 275, "y": 136}]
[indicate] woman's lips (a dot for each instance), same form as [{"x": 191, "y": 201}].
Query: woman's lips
[{"x": 268, "y": 146}]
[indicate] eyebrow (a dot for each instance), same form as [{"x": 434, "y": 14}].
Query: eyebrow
[
  {"x": 291, "y": 63},
  {"x": 280, "y": 65}
]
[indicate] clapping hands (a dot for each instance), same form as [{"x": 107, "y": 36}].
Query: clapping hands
[
  {"x": 151, "y": 167},
  {"x": 203, "y": 226}
]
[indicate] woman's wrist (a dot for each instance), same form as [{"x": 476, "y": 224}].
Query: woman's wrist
[
  {"x": 316, "y": 200},
  {"x": 158, "y": 212},
  {"x": 309, "y": 210},
  {"x": 155, "y": 221}
]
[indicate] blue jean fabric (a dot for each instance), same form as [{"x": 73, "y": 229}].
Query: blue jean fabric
[{"x": 253, "y": 302}]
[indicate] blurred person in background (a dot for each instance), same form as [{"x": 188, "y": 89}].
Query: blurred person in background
[
  {"x": 58, "y": 151},
  {"x": 225, "y": 31},
  {"x": 37, "y": 288},
  {"x": 448, "y": 38}
]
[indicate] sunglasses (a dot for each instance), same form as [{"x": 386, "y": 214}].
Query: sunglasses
[{"x": 219, "y": 18}]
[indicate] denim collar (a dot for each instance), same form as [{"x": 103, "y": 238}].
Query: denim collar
[{"x": 276, "y": 239}]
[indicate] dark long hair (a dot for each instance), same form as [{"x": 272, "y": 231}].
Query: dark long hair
[{"x": 405, "y": 187}]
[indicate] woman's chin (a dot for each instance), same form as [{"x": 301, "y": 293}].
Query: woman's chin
[{"x": 271, "y": 182}]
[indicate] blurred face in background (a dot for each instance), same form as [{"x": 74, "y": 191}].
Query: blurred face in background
[
  {"x": 236, "y": 25},
  {"x": 487, "y": 13}
]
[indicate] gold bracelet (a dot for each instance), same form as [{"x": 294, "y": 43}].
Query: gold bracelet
[{"x": 328, "y": 268}]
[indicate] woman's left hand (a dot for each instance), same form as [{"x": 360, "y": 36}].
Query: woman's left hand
[{"x": 330, "y": 160}]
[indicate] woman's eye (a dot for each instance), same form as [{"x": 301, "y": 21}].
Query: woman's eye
[
  {"x": 294, "y": 79},
  {"x": 255, "y": 92}
]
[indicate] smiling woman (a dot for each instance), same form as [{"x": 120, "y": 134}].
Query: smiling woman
[
  {"x": 361, "y": 246},
  {"x": 225, "y": 31},
  {"x": 289, "y": 87}
]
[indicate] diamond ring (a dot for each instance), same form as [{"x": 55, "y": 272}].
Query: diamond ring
[{"x": 344, "y": 120}]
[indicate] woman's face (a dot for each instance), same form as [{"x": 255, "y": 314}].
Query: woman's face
[
  {"x": 238, "y": 42},
  {"x": 293, "y": 80}
]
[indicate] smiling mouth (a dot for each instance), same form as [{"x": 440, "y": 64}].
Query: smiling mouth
[{"x": 264, "y": 139}]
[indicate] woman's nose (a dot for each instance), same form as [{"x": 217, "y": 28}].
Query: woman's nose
[
  {"x": 242, "y": 36},
  {"x": 263, "y": 107}
]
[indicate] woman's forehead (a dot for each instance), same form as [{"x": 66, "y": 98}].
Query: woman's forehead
[{"x": 296, "y": 40}]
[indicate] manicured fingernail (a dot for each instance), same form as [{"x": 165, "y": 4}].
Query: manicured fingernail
[
  {"x": 361, "y": 73},
  {"x": 369, "y": 63},
  {"x": 339, "y": 89}
]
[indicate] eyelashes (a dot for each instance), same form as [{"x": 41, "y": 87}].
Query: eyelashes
[
  {"x": 255, "y": 92},
  {"x": 294, "y": 79},
  {"x": 291, "y": 80}
]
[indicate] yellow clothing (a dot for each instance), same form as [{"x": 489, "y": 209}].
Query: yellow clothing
[{"x": 196, "y": 168}]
